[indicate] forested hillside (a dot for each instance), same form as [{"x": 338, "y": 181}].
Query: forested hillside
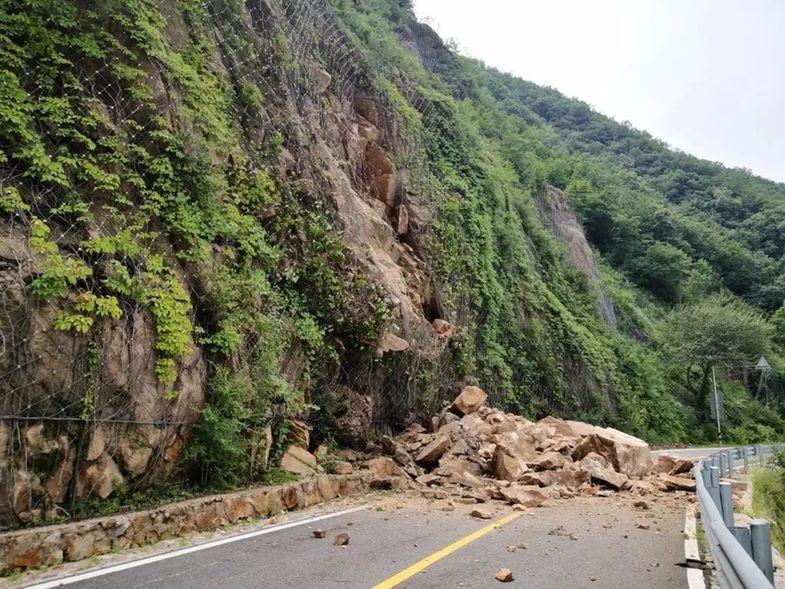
[{"x": 222, "y": 219}]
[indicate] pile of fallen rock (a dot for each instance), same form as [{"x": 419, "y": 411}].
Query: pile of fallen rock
[{"x": 477, "y": 453}]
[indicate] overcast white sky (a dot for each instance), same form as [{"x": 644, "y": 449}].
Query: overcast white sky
[{"x": 706, "y": 76}]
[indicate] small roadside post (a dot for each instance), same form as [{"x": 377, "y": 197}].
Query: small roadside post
[{"x": 717, "y": 405}]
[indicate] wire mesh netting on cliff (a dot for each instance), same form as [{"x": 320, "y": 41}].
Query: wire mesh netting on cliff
[{"x": 119, "y": 120}]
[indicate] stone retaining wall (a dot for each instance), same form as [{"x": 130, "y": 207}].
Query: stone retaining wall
[{"x": 52, "y": 545}]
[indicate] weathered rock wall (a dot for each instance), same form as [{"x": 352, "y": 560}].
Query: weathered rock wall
[
  {"x": 134, "y": 432},
  {"x": 88, "y": 416}
]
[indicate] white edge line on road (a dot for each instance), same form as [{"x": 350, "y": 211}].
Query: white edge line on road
[
  {"x": 691, "y": 551},
  {"x": 175, "y": 553}
]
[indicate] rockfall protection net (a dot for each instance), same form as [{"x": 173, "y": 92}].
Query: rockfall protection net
[{"x": 54, "y": 374}]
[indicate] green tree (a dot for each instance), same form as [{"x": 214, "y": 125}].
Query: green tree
[
  {"x": 702, "y": 281},
  {"x": 721, "y": 331},
  {"x": 661, "y": 268},
  {"x": 778, "y": 325}
]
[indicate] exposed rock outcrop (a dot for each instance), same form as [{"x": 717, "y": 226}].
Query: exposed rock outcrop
[
  {"x": 556, "y": 214},
  {"x": 342, "y": 144}
]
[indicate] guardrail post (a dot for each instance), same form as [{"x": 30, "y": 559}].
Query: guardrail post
[
  {"x": 730, "y": 464},
  {"x": 745, "y": 454},
  {"x": 761, "y": 547},
  {"x": 759, "y": 451},
  {"x": 714, "y": 485},
  {"x": 743, "y": 537},
  {"x": 706, "y": 474},
  {"x": 723, "y": 464},
  {"x": 726, "y": 501}
]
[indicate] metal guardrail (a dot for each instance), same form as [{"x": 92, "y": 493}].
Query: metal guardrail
[{"x": 742, "y": 556}]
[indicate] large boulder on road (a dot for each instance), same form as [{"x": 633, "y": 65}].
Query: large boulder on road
[
  {"x": 431, "y": 452},
  {"x": 526, "y": 495},
  {"x": 627, "y": 454},
  {"x": 506, "y": 467},
  {"x": 601, "y": 472}
]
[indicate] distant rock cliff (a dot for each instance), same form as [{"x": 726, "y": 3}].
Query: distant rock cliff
[{"x": 559, "y": 218}]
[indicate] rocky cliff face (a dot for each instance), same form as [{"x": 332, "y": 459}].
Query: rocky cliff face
[
  {"x": 225, "y": 210},
  {"x": 85, "y": 411},
  {"x": 559, "y": 218}
]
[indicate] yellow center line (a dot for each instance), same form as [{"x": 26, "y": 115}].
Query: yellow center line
[{"x": 446, "y": 551}]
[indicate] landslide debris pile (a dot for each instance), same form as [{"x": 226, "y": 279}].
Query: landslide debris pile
[{"x": 478, "y": 453}]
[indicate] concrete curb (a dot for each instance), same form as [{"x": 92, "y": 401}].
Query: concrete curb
[
  {"x": 53, "y": 545},
  {"x": 692, "y": 555}
]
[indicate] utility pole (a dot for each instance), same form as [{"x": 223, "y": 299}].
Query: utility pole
[{"x": 716, "y": 404}]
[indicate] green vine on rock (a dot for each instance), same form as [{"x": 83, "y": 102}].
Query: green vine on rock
[
  {"x": 159, "y": 289},
  {"x": 59, "y": 275},
  {"x": 11, "y": 201}
]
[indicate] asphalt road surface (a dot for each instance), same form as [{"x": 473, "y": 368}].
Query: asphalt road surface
[
  {"x": 408, "y": 542},
  {"x": 691, "y": 453}
]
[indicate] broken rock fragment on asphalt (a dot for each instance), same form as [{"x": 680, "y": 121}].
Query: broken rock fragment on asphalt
[
  {"x": 601, "y": 471},
  {"x": 342, "y": 539},
  {"x": 526, "y": 495},
  {"x": 481, "y": 514},
  {"x": 504, "y": 575}
]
